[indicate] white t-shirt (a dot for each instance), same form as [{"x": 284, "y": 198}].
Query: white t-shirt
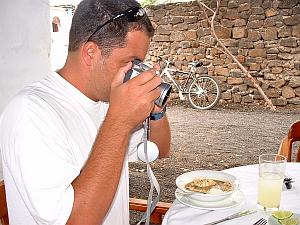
[{"x": 47, "y": 132}]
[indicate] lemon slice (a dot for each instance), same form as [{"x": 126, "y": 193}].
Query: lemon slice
[
  {"x": 289, "y": 221},
  {"x": 282, "y": 214}
]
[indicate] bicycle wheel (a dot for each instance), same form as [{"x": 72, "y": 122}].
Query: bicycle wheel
[{"x": 204, "y": 93}]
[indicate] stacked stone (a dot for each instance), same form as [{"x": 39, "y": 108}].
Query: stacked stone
[{"x": 264, "y": 35}]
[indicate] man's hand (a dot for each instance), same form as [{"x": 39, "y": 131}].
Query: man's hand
[{"x": 133, "y": 101}]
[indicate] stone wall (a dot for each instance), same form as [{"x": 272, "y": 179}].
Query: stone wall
[{"x": 264, "y": 35}]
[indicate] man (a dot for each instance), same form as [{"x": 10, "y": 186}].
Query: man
[{"x": 67, "y": 139}]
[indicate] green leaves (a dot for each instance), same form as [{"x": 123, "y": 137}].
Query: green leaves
[{"x": 148, "y": 2}]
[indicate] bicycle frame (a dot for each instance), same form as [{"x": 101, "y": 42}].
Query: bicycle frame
[
  {"x": 181, "y": 88},
  {"x": 203, "y": 92}
]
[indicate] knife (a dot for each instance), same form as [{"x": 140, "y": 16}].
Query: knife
[{"x": 233, "y": 216}]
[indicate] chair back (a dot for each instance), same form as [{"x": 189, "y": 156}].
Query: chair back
[
  {"x": 286, "y": 146},
  {"x": 157, "y": 215},
  {"x": 3, "y": 206}
]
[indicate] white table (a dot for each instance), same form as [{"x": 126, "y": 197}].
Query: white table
[{"x": 180, "y": 214}]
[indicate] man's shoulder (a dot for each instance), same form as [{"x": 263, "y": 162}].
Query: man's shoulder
[{"x": 34, "y": 101}]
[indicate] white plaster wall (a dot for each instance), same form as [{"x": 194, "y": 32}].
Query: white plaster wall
[
  {"x": 60, "y": 40},
  {"x": 24, "y": 44}
]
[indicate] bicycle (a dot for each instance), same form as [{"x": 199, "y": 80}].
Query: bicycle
[{"x": 203, "y": 90}]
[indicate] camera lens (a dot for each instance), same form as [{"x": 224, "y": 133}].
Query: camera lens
[{"x": 165, "y": 90}]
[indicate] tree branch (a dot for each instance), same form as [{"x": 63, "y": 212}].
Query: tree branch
[{"x": 228, "y": 53}]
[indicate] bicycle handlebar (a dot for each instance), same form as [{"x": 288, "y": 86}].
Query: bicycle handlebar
[
  {"x": 166, "y": 61},
  {"x": 193, "y": 64}
]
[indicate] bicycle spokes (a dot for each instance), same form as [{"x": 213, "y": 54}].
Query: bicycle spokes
[{"x": 204, "y": 93}]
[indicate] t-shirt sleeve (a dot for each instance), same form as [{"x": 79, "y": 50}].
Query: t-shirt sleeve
[{"x": 42, "y": 165}]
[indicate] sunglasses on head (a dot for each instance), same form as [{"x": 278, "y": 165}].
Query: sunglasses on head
[{"x": 133, "y": 14}]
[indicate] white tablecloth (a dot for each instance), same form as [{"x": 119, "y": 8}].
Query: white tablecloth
[{"x": 180, "y": 214}]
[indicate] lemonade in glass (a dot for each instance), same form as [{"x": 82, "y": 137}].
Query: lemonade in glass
[{"x": 271, "y": 174}]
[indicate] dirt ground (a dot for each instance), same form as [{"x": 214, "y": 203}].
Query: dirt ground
[{"x": 220, "y": 138}]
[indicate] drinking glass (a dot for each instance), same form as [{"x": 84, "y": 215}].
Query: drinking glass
[{"x": 271, "y": 175}]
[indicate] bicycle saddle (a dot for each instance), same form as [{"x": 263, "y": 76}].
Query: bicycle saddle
[
  {"x": 196, "y": 64},
  {"x": 171, "y": 63}
]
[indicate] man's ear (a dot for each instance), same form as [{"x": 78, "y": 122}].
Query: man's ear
[{"x": 89, "y": 52}]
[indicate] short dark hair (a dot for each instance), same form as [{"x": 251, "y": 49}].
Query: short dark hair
[{"x": 92, "y": 13}]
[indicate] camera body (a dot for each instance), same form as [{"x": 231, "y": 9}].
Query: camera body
[{"x": 139, "y": 67}]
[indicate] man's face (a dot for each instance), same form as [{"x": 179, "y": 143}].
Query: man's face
[{"x": 106, "y": 68}]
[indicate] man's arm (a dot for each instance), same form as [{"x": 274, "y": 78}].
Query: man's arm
[
  {"x": 96, "y": 185},
  {"x": 160, "y": 134}
]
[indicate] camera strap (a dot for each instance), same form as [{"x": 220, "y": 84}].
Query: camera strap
[{"x": 151, "y": 203}]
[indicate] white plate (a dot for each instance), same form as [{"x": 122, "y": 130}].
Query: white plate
[
  {"x": 273, "y": 221},
  {"x": 185, "y": 178},
  {"x": 235, "y": 199}
]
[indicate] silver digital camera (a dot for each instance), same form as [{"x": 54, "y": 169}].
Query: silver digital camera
[{"x": 139, "y": 67}]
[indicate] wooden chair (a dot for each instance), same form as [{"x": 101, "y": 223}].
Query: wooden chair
[
  {"x": 3, "y": 206},
  {"x": 140, "y": 205},
  {"x": 286, "y": 145}
]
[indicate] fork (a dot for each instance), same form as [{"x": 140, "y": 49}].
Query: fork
[{"x": 261, "y": 221}]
